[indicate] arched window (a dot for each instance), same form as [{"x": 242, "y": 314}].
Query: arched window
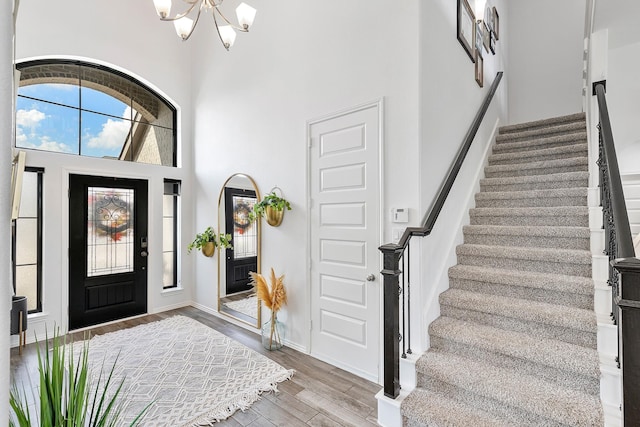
[{"x": 91, "y": 110}]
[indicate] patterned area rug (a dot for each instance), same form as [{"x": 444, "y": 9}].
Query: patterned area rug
[
  {"x": 193, "y": 375},
  {"x": 248, "y": 306}
]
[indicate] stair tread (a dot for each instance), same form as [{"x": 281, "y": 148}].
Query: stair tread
[
  {"x": 507, "y": 386},
  {"x": 515, "y": 141},
  {"x": 433, "y": 409},
  {"x": 544, "y": 351},
  {"x": 529, "y": 230},
  {"x": 577, "y": 256},
  {"x": 555, "y": 282},
  {"x": 572, "y": 161},
  {"x": 528, "y": 194},
  {"x": 551, "y": 121},
  {"x": 516, "y": 308},
  {"x": 564, "y": 176},
  {"x": 558, "y": 129},
  {"x": 531, "y": 211},
  {"x": 541, "y": 152}
]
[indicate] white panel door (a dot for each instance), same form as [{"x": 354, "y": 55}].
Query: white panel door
[{"x": 344, "y": 167}]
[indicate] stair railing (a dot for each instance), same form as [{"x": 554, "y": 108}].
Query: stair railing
[
  {"x": 624, "y": 267},
  {"x": 395, "y": 254}
]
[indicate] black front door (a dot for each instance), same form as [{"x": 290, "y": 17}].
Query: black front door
[
  {"x": 107, "y": 249},
  {"x": 242, "y": 258}
]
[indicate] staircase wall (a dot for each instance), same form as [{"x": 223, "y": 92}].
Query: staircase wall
[
  {"x": 437, "y": 251},
  {"x": 449, "y": 98}
]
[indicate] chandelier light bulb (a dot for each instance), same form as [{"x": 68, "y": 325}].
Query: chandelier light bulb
[
  {"x": 228, "y": 35},
  {"x": 183, "y": 27},
  {"x": 163, "y": 7},
  {"x": 246, "y": 14}
]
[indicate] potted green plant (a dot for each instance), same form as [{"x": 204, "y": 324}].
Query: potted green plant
[
  {"x": 66, "y": 393},
  {"x": 207, "y": 241},
  {"x": 272, "y": 208}
]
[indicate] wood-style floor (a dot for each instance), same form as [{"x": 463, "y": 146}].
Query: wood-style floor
[{"x": 318, "y": 394}]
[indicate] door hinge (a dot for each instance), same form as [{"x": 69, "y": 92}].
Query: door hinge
[
  {"x": 311, "y": 325},
  {"x": 310, "y": 203},
  {"x": 68, "y": 193}
]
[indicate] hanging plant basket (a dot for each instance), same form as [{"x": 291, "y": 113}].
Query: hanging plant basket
[
  {"x": 274, "y": 216},
  {"x": 272, "y": 207},
  {"x": 208, "y": 240},
  {"x": 209, "y": 249}
]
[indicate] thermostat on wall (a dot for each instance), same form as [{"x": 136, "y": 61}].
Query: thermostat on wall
[{"x": 400, "y": 214}]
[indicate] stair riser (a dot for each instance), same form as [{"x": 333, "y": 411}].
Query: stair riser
[
  {"x": 539, "y": 202},
  {"x": 541, "y": 266},
  {"x": 571, "y": 379},
  {"x": 489, "y": 173},
  {"x": 572, "y": 336},
  {"x": 528, "y": 241},
  {"x": 530, "y": 294},
  {"x": 499, "y": 159},
  {"x": 521, "y": 146},
  {"x": 563, "y": 221},
  {"x": 512, "y": 414},
  {"x": 528, "y": 186}
]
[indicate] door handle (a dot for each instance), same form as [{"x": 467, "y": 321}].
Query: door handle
[
  {"x": 144, "y": 254},
  {"x": 371, "y": 277}
]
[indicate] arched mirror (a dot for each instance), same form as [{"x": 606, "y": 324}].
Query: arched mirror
[{"x": 235, "y": 295}]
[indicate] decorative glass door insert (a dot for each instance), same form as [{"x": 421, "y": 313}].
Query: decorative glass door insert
[{"x": 110, "y": 231}]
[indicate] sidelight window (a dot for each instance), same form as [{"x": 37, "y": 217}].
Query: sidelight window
[{"x": 26, "y": 241}]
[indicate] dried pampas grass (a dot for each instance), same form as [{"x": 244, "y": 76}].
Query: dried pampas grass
[{"x": 273, "y": 296}]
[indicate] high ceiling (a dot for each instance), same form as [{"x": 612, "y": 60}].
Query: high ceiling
[{"x": 621, "y": 18}]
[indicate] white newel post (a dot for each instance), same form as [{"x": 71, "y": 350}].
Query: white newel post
[{"x": 6, "y": 135}]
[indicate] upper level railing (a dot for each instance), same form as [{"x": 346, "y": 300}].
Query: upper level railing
[
  {"x": 394, "y": 255},
  {"x": 624, "y": 267}
]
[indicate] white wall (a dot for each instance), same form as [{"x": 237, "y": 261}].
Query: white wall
[
  {"x": 449, "y": 100},
  {"x": 545, "y": 58},
  {"x": 623, "y": 100},
  {"x": 128, "y": 36},
  {"x": 301, "y": 60}
]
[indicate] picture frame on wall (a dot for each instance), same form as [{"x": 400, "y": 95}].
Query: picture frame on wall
[
  {"x": 479, "y": 37},
  {"x": 486, "y": 37},
  {"x": 488, "y": 16},
  {"x": 496, "y": 23},
  {"x": 492, "y": 42},
  {"x": 479, "y": 69},
  {"x": 466, "y": 28}
]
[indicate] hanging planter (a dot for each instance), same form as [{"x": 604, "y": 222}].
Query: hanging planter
[
  {"x": 274, "y": 216},
  {"x": 272, "y": 207},
  {"x": 207, "y": 241},
  {"x": 209, "y": 249}
]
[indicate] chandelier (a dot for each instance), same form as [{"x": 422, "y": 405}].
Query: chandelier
[{"x": 185, "y": 25}]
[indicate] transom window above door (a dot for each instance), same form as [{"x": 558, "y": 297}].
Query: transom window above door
[{"x": 91, "y": 110}]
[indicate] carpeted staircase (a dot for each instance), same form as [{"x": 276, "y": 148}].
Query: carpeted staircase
[{"x": 516, "y": 341}]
